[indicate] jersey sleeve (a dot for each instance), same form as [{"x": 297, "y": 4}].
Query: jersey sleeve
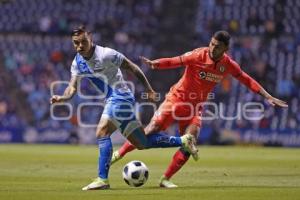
[
  {"x": 74, "y": 68},
  {"x": 112, "y": 57},
  {"x": 235, "y": 69},
  {"x": 174, "y": 62},
  {"x": 168, "y": 63},
  {"x": 190, "y": 57},
  {"x": 243, "y": 77}
]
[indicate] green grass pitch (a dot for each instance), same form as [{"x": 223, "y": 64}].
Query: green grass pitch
[{"x": 42, "y": 172}]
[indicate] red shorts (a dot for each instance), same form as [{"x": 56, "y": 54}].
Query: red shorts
[{"x": 182, "y": 112}]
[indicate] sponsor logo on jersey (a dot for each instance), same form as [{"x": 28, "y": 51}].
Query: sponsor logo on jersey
[
  {"x": 210, "y": 76},
  {"x": 202, "y": 75}
]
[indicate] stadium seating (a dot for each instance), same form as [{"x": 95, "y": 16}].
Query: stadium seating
[
  {"x": 266, "y": 44},
  {"x": 36, "y": 50}
]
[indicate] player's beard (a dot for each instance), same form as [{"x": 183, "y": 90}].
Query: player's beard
[
  {"x": 211, "y": 55},
  {"x": 215, "y": 56}
]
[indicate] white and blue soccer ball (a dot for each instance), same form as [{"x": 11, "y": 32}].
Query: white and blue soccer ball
[{"x": 135, "y": 173}]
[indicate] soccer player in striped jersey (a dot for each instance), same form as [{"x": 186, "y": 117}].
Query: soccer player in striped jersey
[
  {"x": 101, "y": 65},
  {"x": 204, "y": 68}
]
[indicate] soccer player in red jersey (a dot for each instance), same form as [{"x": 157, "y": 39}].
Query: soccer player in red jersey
[{"x": 204, "y": 68}]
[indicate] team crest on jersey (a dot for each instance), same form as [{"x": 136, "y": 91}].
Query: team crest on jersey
[
  {"x": 222, "y": 68},
  {"x": 82, "y": 65},
  {"x": 83, "y": 68}
]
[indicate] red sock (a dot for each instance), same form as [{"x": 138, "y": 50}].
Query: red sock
[
  {"x": 126, "y": 148},
  {"x": 179, "y": 159}
]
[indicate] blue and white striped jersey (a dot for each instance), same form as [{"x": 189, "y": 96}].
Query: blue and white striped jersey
[{"x": 103, "y": 70}]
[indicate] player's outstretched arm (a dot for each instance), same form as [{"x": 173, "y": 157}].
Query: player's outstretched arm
[
  {"x": 272, "y": 100},
  {"x": 253, "y": 85},
  {"x": 134, "y": 69},
  {"x": 153, "y": 64},
  {"x": 257, "y": 88},
  {"x": 69, "y": 92},
  {"x": 163, "y": 63}
]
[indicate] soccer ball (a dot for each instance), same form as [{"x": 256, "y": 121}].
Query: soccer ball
[{"x": 135, "y": 173}]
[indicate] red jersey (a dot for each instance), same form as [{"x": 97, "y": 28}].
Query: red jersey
[{"x": 202, "y": 74}]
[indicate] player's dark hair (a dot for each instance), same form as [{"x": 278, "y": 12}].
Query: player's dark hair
[
  {"x": 79, "y": 30},
  {"x": 222, "y": 36}
]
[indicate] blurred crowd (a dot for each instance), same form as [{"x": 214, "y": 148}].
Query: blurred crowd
[
  {"x": 266, "y": 43},
  {"x": 36, "y": 49}
]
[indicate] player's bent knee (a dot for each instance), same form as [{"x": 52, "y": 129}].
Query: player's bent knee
[
  {"x": 105, "y": 128},
  {"x": 102, "y": 132}
]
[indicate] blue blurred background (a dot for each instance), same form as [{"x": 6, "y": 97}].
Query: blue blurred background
[{"x": 36, "y": 50}]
